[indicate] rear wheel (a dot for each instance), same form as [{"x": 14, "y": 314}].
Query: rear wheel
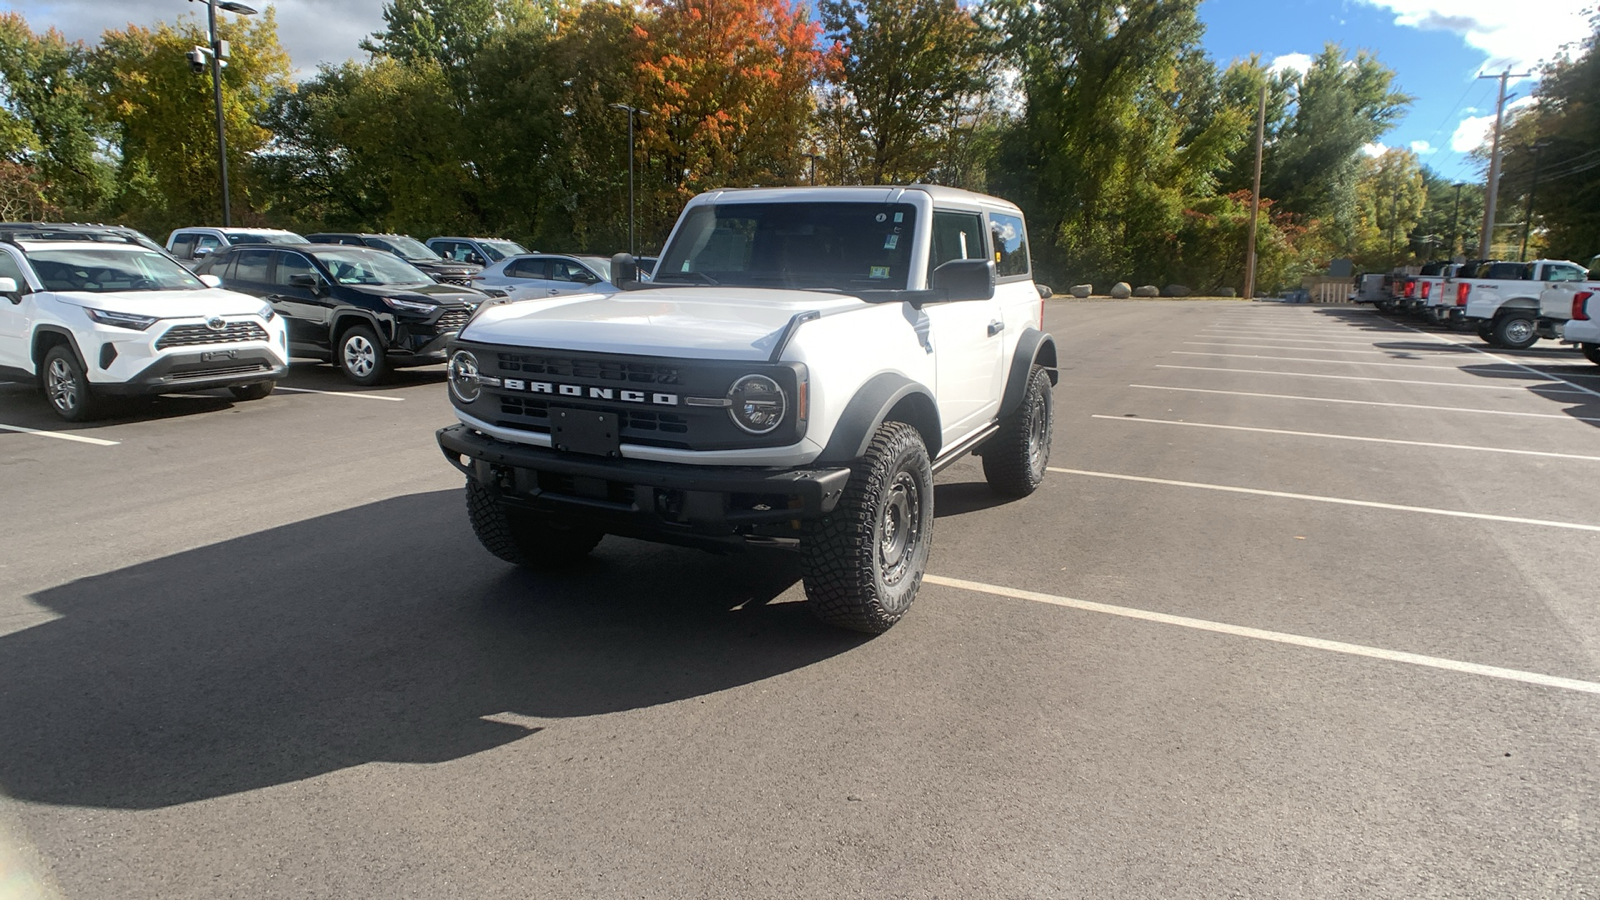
[
  {"x": 1591, "y": 352},
  {"x": 523, "y": 538},
  {"x": 66, "y": 386},
  {"x": 361, "y": 355},
  {"x": 1486, "y": 332},
  {"x": 252, "y": 391},
  {"x": 863, "y": 563},
  {"x": 1515, "y": 331},
  {"x": 1014, "y": 459}
]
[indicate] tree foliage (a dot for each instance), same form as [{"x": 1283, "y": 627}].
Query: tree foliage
[{"x": 50, "y": 130}]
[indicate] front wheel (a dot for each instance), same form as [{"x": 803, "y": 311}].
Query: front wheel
[
  {"x": 1515, "y": 331},
  {"x": 524, "y": 538},
  {"x": 1591, "y": 352},
  {"x": 863, "y": 563},
  {"x": 361, "y": 355},
  {"x": 255, "y": 391},
  {"x": 1014, "y": 459},
  {"x": 66, "y": 386}
]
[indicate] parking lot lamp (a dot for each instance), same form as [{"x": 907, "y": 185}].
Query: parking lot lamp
[
  {"x": 219, "y": 52},
  {"x": 632, "y": 111}
]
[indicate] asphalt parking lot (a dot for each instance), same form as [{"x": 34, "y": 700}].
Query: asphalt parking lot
[{"x": 1307, "y": 608}]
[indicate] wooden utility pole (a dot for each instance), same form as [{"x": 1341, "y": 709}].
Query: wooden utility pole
[
  {"x": 1493, "y": 191},
  {"x": 1255, "y": 201}
]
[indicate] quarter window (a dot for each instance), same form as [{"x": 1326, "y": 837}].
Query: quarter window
[
  {"x": 1010, "y": 244},
  {"x": 1565, "y": 273}
]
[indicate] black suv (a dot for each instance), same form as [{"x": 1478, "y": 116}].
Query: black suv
[
  {"x": 413, "y": 251},
  {"x": 364, "y": 310}
]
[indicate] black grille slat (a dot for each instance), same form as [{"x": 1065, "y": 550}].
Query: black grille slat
[
  {"x": 195, "y": 374},
  {"x": 536, "y": 413},
  {"x": 458, "y": 280},
  {"x": 200, "y": 335},
  {"x": 596, "y": 369}
]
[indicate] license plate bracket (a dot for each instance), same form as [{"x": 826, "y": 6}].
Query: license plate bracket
[
  {"x": 214, "y": 355},
  {"x": 585, "y": 431}
]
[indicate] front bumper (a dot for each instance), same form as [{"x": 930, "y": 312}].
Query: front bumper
[
  {"x": 192, "y": 371},
  {"x": 643, "y": 498}
]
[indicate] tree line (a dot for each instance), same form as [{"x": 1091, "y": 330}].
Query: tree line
[{"x": 1130, "y": 149}]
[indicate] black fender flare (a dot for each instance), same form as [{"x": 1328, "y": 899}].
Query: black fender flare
[
  {"x": 1033, "y": 347},
  {"x": 871, "y": 406},
  {"x": 72, "y": 341},
  {"x": 352, "y": 312}
]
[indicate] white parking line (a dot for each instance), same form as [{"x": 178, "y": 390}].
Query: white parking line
[
  {"x": 1341, "y": 501},
  {"x": 1351, "y": 437},
  {"x": 1388, "y": 353},
  {"x": 1341, "y": 334},
  {"x": 356, "y": 394},
  {"x": 1481, "y": 387},
  {"x": 60, "y": 436},
  {"x": 1337, "y": 362},
  {"x": 1502, "y": 360},
  {"x": 1276, "y": 637},
  {"x": 1490, "y": 412}
]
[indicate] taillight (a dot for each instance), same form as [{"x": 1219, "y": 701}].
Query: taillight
[
  {"x": 1427, "y": 288},
  {"x": 1580, "y": 302},
  {"x": 1411, "y": 290},
  {"x": 1462, "y": 290}
]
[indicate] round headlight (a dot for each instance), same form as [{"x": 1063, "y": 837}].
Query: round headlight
[
  {"x": 758, "y": 404},
  {"x": 464, "y": 381}
]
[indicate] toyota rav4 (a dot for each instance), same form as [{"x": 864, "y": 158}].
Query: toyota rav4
[{"x": 801, "y": 365}]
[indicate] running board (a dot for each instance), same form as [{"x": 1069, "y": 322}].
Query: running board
[{"x": 948, "y": 458}]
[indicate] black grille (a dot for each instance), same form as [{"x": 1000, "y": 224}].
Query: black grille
[
  {"x": 535, "y": 412},
  {"x": 196, "y": 374},
  {"x": 620, "y": 371},
  {"x": 193, "y": 335},
  {"x": 453, "y": 319}
]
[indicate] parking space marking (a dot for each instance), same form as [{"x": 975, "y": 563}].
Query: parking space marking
[
  {"x": 60, "y": 436},
  {"x": 1388, "y": 353},
  {"x": 1465, "y": 409},
  {"x": 1501, "y": 359},
  {"x": 1340, "y": 501},
  {"x": 1351, "y": 437},
  {"x": 1276, "y": 637},
  {"x": 1342, "y": 336},
  {"x": 1337, "y": 362},
  {"x": 1480, "y": 387},
  {"x": 355, "y": 394},
  {"x": 1293, "y": 340}
]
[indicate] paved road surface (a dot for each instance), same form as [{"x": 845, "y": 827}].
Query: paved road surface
[{"x": 1309, "y": 608}]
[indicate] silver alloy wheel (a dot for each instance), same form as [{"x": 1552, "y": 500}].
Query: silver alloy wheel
[
  {"x": 899, "y": 527},
  {"x": 1518, "y": 330},
  {"x": 61, "y": 385},
  {"x": 360, "y": 357}
]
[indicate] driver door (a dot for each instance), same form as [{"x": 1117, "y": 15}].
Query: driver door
[
  {"x": 308, "y": 313},
  {"x": 968, "y": 335}
]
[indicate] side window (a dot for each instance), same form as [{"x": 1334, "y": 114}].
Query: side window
[
  {"x": 252, "y": 266},
  {"x": 562, "y": 270},
  {"x": 290, "y": 265},
  {"x": 207, "y": 242},
  {"x": 1565, "y": 273},
  {"x": 956, "y": 235},
  {"x": 10, "y": 269},
  {"x": 452, "y": 250},
  {"x": 1010, "y": 244},
  {"x": 183, "y": 246},
  {"x": 529, "y": 268}
]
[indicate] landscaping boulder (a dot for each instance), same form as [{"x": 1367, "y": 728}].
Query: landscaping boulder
[
  {"x": 1176, "y": 290},
  {"x": 1121, "y": 291},
  {"x": 1147, "y": 290},
  {"x": 1082, "y": 290},
  {"x": 1227, "y": 292}
]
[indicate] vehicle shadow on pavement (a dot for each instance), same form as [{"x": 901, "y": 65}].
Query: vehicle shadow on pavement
[
  {"x": 23, "y": 405},
  {"x": 964, "y": 497},
  {"x": 380, "y": 633},
  {"x": 321, "y": 376}
]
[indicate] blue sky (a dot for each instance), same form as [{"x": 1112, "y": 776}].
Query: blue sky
[{"x": 1436, "y": 47}]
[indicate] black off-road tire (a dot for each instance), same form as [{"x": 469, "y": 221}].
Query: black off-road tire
[
  {"x": 256, "y": 391},
  {"x": 1014, "y": 459},
  {"x": 66, "y": 385},
  {"x": 360, "y": 355},
  {"x": 1516, "y": 331},
  {"x": 863, "y": 563},
  {"x": 1591, "y": 352},
  {"x": 523, "y": 538}
]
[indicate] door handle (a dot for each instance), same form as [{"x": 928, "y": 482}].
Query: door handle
[{"x": 996, "y": 327}]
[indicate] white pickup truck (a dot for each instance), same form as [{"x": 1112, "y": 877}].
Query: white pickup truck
[
  {"x": 801, "y": 364},
  {"x": 1583, "y": 328},
  {"x": 1562, "y": 301},
  {"x": 1502, "y": 299}
]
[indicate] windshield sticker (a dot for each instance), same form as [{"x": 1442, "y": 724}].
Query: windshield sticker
[
  {"x": 880, "y": 271},
  {"x": 890, "y": 242},
  {"x": 899, "y": 217},
  {"x": 882, "y": 216}
]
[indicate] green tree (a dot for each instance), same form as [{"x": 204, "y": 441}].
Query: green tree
[
  {"x": 49, "y": 129},
  {"x": 1391, "y": 195},
  {"x": 164, "y": 119},
  {"x": 909, "y": 70}
]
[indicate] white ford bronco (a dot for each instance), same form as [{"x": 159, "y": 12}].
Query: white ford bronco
[{"x": 801, "y": 365}]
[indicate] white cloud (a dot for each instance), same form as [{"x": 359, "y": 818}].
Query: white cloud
[
  {"x": 1299, "y": 62},
  {"x": 1423, "y": 148},
  {"x": 1474, "y": 131},
  {"x": 1374, "y": 150},
  {"x": 1511, "y": 35}
]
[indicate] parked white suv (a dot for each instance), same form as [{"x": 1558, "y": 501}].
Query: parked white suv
[
  {"x": 802, "y": 363},
  {"x": 87, "y": 319}
]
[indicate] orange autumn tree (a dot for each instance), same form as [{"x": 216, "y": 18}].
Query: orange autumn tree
[{"x": 728, "y": 85}]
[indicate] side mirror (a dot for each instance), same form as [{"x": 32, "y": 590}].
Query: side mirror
[
  {"x": 1044, "y": 291},
  {"x": 964, "y": 279},
  {"x": 210, "y": 281},
  {"x": 8, "y": 286},
  {"x": 624, "y": 271},
  {"x": 310, "y": 282},
  {"x": 475, "y": 259}
]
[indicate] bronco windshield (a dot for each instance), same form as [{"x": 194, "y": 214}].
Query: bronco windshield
[
  {"x": 101, "y": 270},
  {"x": 349, "y": 265},
  {"x": 840, "y": 246}
]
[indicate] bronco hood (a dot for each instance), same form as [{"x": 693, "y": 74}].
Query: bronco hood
[{"x": 691, "y": 322}]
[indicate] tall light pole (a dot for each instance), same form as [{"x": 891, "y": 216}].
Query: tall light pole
[
  {"x": 219, "y": 50},
  {"x": 632, "y": 111}
]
